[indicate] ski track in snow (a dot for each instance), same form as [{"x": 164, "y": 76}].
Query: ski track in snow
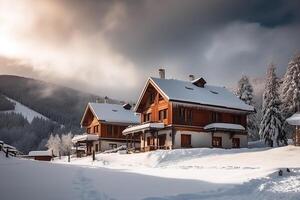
[{"x": 84, "y": 187}]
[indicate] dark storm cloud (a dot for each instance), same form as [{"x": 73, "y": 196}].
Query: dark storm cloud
[{"x": 220, "y": 40}]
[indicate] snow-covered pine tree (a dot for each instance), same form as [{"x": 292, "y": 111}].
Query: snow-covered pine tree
[
  {"x": 54, "y": 144},
  {"x": 245, "y": 93},
  {"x": 66, "y": 143},
  {"x": 290, "y": 88},
  {"x": 271, "y": 128},
  {"x": 245, "y": 90}
]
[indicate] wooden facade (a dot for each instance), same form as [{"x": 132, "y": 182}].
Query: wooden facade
[
  {"x": 110, "y": 133},
  {"x": 103, "y": 129},
  {"x": 155, "y": 107},
  {"x": 186, "y": 119}
]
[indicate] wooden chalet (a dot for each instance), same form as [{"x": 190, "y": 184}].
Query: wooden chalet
[
  {"x": 104, "y": 124},
  {"x": 184, "y": 114}
]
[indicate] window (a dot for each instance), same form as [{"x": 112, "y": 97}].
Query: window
[
  {"x": 147, "y": 117},
  {"x": 88, "y": 130},
  {"x": 96, "y": 129},
  {"x": 162, "y": 114},
  {"x": 217, "y": 142},
  {"x": 185, "y": 115},
  {"x": 112, "y": 145},
  {"x": 109, "y": 130},
  {"x": 150, "y": 141},
  {"x": 186, "y": 140},
  {"x": 235, "y": 142},
  {"x": 236, "y": 119},
  {"x": 216, "y": 117},
  {"x": 97, "y": 147}
]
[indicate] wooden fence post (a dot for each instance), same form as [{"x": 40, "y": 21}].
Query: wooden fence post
[
  {"x": 6, "y": 154},
  {"x": 94, "y": 155}
]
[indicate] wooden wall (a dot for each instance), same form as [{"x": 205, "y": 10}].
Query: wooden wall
[{"x": 202, "y": 117}]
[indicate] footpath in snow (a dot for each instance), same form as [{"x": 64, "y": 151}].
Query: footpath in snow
[{"x": 160, "y": 175}]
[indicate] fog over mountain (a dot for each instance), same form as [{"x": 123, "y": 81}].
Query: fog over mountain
[{"x": 111, "y": 47}]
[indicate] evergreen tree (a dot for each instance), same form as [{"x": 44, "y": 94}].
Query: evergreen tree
[
  {"x": 290, "y": 90},
  {"x": 271, "y": 128},
  {"x": 245, "y": 93},
  {"x": 245, "y": 90}
]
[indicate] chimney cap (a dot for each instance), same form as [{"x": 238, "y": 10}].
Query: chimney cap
[
  {"x": 162, "y": 73},
  {"x": 127, "y": 106},
  {"x": 199, "y": 82}
]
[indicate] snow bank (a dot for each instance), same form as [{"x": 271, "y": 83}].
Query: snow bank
[{"x": 25, "y": 179}]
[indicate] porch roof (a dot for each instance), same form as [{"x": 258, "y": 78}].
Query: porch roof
[
  {"x": 143, "y": 127},
  {"x": 84, "y": 137},
  {"x": 294, "y": 119},
  {"x": 224, "y": 126}
]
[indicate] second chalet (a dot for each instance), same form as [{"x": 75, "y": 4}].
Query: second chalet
[
  {"x": 104, "y": 124},
  {"x": 185, "y": 114}
]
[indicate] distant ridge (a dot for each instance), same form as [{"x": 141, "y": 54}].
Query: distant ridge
[{"x": 58, "y": 103}]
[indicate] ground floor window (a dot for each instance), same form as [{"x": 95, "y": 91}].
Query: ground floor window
[
  {"x": 150, "y": 141},
  {"x": 162, "y": 140},
  {"x": 112, "y": 146},
  {"x": 217, "y": 142},
  {"x": 235, "y": 142},
  {"x": 186, "y": 140}
]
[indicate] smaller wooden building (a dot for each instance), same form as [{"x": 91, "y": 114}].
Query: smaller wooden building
[
  {"x": 104, "y": 124},
  {"x": 295, "y": 121},
  {"x": 40, "y": 155}
]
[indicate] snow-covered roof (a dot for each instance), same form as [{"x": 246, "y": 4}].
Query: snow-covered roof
[
  {"x": 294, "y": 119},
  {"x": 186, "y": 91},
  {"x": 40, "y": 153},
  {"x": 113, "y": 113},
  {"x": 85, "y": 137},
  {"x": 224, "y": 126},
  {"x": 8, "y": 146},
  {"x": 141, "y": 127}
]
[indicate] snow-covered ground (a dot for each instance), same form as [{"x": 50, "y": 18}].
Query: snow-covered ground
[
  {"x": 160, "y": 175},
  {"x": 28, "y": 113}
]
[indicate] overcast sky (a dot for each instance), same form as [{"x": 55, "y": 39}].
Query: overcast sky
[{"x": 111, "y": 47}]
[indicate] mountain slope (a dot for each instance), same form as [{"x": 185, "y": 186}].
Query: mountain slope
[
  {"x": 27, "y": 113},
  {"x": 61, "y": 104}
]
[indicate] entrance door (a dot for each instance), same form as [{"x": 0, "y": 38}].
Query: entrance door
[
  {"x": 235, "y": 142},
  {"x": 186, "y": 140},
  {"x": 162, "y": 140}
]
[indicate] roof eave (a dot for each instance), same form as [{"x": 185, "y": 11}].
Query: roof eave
[
  {"x": 150, "y": 80},
  {"x": 208, "y": 105}
]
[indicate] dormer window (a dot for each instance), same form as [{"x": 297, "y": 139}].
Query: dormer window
[{"x": 199, "y": 82}]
